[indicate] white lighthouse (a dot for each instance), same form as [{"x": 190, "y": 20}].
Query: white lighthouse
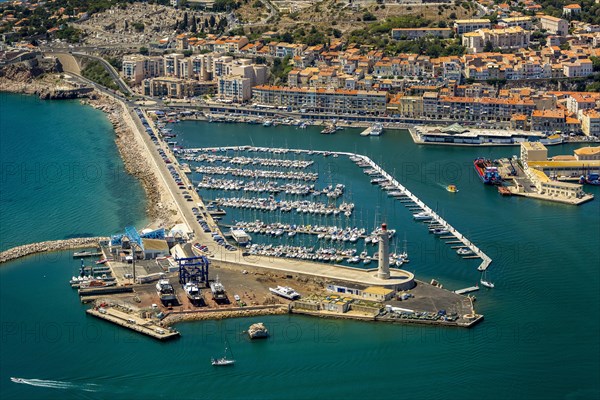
[{"x": 384, "y": 253}]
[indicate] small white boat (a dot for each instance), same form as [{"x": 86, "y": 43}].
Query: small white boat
[
  {"x": 485, "y": 282},
  {"x": 222, "y": 361},
  {"x": 422, "y": 216},
  {"x": 464, "y": 251}
]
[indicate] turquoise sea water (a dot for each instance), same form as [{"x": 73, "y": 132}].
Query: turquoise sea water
[
  {"x": 539, "y": 338},
  {"x": 61, "y": 175}
]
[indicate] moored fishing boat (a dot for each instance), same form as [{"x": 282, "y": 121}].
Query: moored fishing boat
[{"x": 486, "y": 172}]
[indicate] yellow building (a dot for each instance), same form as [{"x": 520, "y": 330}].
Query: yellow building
[
  {"x": 588, "y": 153},
  {"x": 377, "y": 293}
]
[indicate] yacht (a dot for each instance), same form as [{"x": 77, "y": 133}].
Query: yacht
[
  {"x": 422, "y": 216},
  {"x": 377, "y": 129},
  {"x": 285, "y": 291}
]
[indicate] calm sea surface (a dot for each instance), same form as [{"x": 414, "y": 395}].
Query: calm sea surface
[{"x": 539, "y": 338}]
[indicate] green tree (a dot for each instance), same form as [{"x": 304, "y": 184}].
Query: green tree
[
  {"x": 144, "y": 51},
  {"x": 595, "y": 63},
  {"x": 369, "y": 17}
]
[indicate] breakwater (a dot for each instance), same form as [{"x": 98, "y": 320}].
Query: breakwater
[
  {"x": 48, "y": 246},
  {"x": 238, "y": 312}
]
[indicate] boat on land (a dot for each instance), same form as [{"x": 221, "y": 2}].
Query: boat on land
[
  {"x": 485, "y": 282},
  {"x": 452, "y": 188},
  {"x": 218, "y": 290},
  {"x": 193, "y": 293},
  {"x": 165, "y": 291},
  {"x": 223, "y": 361},
  {"x": 286, "y": 292},
  {"x": 486, "y": 172}
]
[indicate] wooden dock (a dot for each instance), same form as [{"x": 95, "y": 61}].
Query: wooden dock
[{"x": 134, "y": 322}]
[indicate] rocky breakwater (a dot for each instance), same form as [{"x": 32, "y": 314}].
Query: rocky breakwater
[
  {"x": 53, "y": 245},
  {"x": 203, "y": 315},
  {"x": 160, "y": 207}
]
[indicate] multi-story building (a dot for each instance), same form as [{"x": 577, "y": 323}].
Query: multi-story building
[
  {"x": 590, "y": 122},
  {"x": 522, "y": 22},
  {"x": 590, "y": 153},
  {"x": 177, "y": 88},
  {"x": 578, "y": 101},
  {"x": 171, "y": 64},
  {"x": 548, "y": 121},
  {"x": 338, "y": 101},
  {"x": 578, "y": 68},
  {"x": 555, "y": 26},
  {"x": 462, "y": 26},
  {"x": 571, "y": 10},
  {"x": 415, "y": 33},
  {"x": 137, "y": 67},
  {"x": 512, "y": 38},
  {"x": 235, "y": 88}
]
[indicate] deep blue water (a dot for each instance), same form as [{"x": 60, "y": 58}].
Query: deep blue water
[{"x": 539, "y": 339}]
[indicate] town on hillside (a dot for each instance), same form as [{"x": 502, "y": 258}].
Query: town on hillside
[{"x": 523, "y": 65}]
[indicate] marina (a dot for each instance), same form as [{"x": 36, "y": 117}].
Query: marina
[{"x": 421, "y": 212}]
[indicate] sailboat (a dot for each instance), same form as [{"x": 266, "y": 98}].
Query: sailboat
[
  {"x": 484, "y": 282},
  {"x": 223, "y": 361}
]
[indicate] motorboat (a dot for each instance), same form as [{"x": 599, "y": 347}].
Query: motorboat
[
  {"x": 464, "y": 251},
  {"x": 286, "y": 292}
]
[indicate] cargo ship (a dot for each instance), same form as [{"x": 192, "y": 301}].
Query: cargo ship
[{"x": 487, "y": 173}]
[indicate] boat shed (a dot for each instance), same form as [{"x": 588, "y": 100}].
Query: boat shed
[{"x": 154, "y": 248}]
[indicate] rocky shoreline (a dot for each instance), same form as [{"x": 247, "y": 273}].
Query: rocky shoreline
[
  {"x": 48, "y": 246},
  {"x": 134, "y": 159}
]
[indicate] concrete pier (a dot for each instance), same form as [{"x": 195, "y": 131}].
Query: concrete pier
[{"x": 133, "y": 322}]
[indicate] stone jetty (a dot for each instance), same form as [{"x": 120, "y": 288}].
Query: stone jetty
[{"x": 52, "y": 245}]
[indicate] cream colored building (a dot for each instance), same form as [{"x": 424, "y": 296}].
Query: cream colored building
[
  {"x": 377, "y": 293},
  {"x": 555, "y": 26},
  {"x": 588, "y": 153},
  {"x": 533, "y": 151},
  {"x": 547, "y": 187},
  {"x": 590, "y": 122},
  {"x": 512, "y": 38},
  {"x": 462, "y": 26}
]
